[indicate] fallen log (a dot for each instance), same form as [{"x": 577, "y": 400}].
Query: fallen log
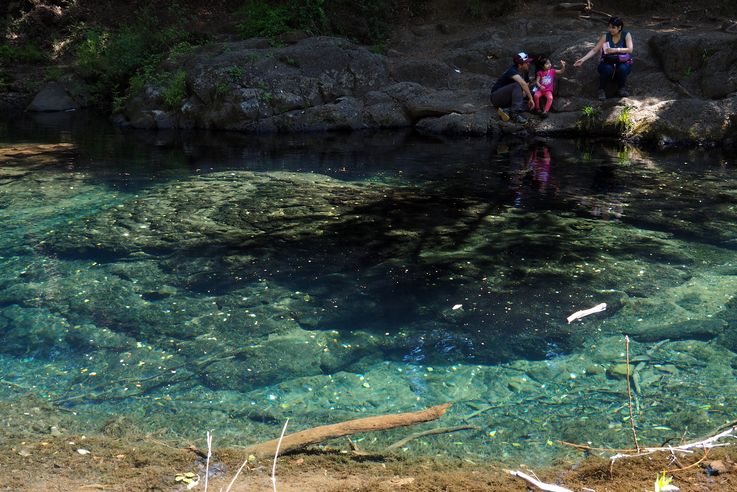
[{"x": 322, "y": 433}]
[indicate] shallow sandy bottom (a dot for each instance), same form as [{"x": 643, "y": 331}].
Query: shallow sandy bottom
[{"x": 36, "y": 456}]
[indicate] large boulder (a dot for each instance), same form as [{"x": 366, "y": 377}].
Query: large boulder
[
  {"x": 704, "y": 64},
  {"x": 53, "y": 97}
]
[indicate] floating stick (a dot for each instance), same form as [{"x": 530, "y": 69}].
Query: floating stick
[{"x": 580, "y": 314}]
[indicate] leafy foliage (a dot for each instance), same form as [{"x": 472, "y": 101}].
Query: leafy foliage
[
  {"x": 26, "y": 53},
  {"x": 113, "y": 61},
  {"x": 176, "y": 89},
  {"x": 366, "y": 21},
  {"x": 265, "y": 19}
]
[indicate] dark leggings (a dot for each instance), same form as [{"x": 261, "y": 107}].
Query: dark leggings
[{"x": 610, "y": 71}]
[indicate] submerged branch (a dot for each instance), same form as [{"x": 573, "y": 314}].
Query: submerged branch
[{"x": 429, "y": 432}]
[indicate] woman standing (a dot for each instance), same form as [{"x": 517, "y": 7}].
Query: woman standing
[{"x": 615, "y": 63}]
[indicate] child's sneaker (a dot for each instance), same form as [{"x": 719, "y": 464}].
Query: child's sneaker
[
  {"x": 544, "y": 114},
  {"x": 502, "y": 114}
]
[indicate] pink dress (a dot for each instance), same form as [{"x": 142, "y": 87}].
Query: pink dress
[{"x": 545, "y": 88}]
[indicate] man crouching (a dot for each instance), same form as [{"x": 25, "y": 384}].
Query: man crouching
[{"x": 510, "y": 89}]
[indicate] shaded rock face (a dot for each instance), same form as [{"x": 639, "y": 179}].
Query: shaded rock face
[
  {"x": 706, "y": 66},
  {"x": 438, "y": 80},
  {"x": 314, "y": 84},
  {"x": 53, "y": 97}
]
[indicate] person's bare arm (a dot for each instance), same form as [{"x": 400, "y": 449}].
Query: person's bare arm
[
  {"x": 592, "y": 52},
  {"x": 562, "y": 67},
  {"x": 526, "y": 89}
]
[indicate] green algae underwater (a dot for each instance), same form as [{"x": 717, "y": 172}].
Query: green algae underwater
[{"x": 184, "y": 282}]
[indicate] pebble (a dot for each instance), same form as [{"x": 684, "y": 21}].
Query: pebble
[{"x": 619, "y": 370}]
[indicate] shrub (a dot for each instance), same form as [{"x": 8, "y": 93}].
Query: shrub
[
  {"x": 176, "y": 90},
  {"x": 118, "y": 62},
  {"x": 26, "y": 53},
  {"x": 366, "y": 21},
  {"x": 263, "y": 19}
]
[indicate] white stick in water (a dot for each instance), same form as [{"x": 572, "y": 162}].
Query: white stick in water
[{"x": 580, "y": 314}]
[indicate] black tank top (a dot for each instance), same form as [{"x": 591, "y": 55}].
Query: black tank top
[{"x": 621, "y": 44}]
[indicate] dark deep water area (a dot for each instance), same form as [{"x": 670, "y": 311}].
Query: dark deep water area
[{"x": 227, "y": 282}]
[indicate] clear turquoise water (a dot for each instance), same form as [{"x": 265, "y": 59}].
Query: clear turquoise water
[{"x": 194, "y": 282}]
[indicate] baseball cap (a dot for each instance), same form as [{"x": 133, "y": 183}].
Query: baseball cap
[{"x": 521, "y": 57}]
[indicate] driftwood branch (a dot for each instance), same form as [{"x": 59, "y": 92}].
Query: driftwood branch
[
  {"x": 322, "y": 433},
  {"x": 429, "y": 432},
  {"x": 549, "y": 487},
  {"x": 704, "y": 445},
  {"x": 584, "y": 9}
]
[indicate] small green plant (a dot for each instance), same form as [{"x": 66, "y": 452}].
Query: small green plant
[
  {"x": 379, "y": 48},
  {"x": 221, "y": 88},
  {"x": 623, "y": 156},
  {"x": 590, "y": 115},
  {"x": 288, "y": 60},
  {"x": 181, "y": 48},
  {"x": 52, "y": 73},
  {"x": 176, "y": 90},
  {"x": 267, "y": 97},
  {"x": 235, "y": 74},
  {"x": 589, "y": 112},
  {"x": 119, "y": 102},
  {"x": 625, "y": 122},
  {"x": 147, "y": 73},
  {"x": 663, "y": 483}
]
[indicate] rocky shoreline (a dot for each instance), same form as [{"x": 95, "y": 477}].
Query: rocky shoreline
[{"x": 436, "y": 78}]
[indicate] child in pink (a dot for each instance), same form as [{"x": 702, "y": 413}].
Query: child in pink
[{"x": 545, "y": 83}]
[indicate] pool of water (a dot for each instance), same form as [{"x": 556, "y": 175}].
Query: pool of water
[{"x": 224, "y": 282}]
